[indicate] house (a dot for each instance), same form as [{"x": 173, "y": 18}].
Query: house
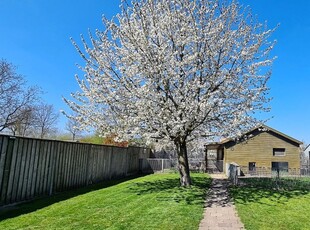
[
  {"x": 307, "y": 151},
  {"x": 306, "y": 157},
  {"x": 262, "y": 148}
]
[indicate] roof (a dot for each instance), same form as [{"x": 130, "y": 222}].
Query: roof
[
  {"x": 280, "y": 133},
  {"x": 261, "y": 127}
]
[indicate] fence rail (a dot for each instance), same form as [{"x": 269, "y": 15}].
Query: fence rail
[
  {"x": 34, "y": 167},
  {"x": 270, "y": 172},
  {"x": 154, "y": 165},
  {"x": 162, "y": 164},
  {"x": 235, "y": 172}
]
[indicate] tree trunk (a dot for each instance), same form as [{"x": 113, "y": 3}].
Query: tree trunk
[{"x": 185, "y": 179}]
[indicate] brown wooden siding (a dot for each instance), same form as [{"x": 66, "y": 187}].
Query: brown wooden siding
[{"x": 259, "y": 149}]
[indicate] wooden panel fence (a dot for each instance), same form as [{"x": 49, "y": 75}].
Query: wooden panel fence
[{"x": 31, "y": 168}]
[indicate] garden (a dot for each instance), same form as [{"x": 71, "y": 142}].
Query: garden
[
  {"x": 271, "y": 203},
  {"x": 158, "y": 202},
  {"x": 150, "y": 202}
]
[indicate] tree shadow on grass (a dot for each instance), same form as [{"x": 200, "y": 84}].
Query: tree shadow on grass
[
  {"x": 169, "y": 190},
  {"x": 254, "y": 190},
  {"x": 12, "y": 211}
]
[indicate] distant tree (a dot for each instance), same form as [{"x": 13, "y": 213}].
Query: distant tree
[
  {"x": 45, "y": 120},
  {"x": 112, "y": 140},
  {"x": 15, "y": 97},
  {"x": 175, "y": 71},
  {"x": 23, "y": 126},
  {"x": 93, "y": 139},
  {"x": 72, "y": 126}
]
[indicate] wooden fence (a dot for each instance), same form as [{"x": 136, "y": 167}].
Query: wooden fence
[{"x": 34, "y": 167}]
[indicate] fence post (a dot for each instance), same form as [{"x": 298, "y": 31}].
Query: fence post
[
  {"x": 234, "y": 172},
  {"x": 236, "y": 177},
  {"x": 162, "y": 165}
]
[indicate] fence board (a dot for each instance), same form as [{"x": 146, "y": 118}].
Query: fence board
[
  {"x": 72, "y": 172},
  {"x": 84, "y": 165},
  {"x": 66, "y": 165},
  {"x": 73, "y": 158},
  {"x": 78, "y": 166},
  {"x": 71, "y": 166},
  {"x": 27, "y": 169},
  {"x": 107, "y": 163},
  {"x": 51, "y": 169},
  {"x": 31, "y": 168},
  {"x": 72, "y": 175},
  {"x": 3, "y": 157},
  {"x": 40, "y": 167},
  {"x": 14, "y": 170},
  {"x": 100, "y": 155},
  {"x": 112, "y": 171},
  {"x": 35, "y": 168},
  {"x": 24, "y": 172},
  {"x": 90, "y": 165},
  {"x": 19, "y": 171},
  {"x": 6, "y": 174},
  {"x": 45, "y": 162},
  {"x": 100, "y": 168},
  {"x": 61, "y": 167},
  {"x": 75, "y": 167},
  {"x": 46, "y": 168},
  {"x": 94, "y": 163},
  {"x": 56, "y": 165}
]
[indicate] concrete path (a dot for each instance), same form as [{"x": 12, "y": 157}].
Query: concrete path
[{"x": 220, "y": 212}]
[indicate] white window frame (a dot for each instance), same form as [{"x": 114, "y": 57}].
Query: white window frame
[{"x": 279, "y": 152}]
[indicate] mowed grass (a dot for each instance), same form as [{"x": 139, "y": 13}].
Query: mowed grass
[
  {"x": 150, "y": 202},
  {"x": 262, "y": 206}
]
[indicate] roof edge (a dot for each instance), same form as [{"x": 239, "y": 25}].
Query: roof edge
[
  {"x": 268, "y": 129},
  {"x": 280, "y": 133}
]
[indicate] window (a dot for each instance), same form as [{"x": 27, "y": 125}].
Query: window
[
  {"x": 252, "y": 166},
  {"x": 281, "y": 166},
  {"x": 279, "y": 151}
]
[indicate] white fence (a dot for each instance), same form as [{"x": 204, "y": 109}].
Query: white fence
[
  {"x": 154, "y": 165},
  {"x": 150, "y": 165}
]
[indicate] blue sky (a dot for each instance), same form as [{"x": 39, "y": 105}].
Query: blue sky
[{"x": 34, "y": 36}]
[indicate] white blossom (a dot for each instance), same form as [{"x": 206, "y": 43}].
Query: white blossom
[{"x": 175, "y": 71}]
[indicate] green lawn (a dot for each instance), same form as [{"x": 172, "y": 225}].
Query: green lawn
[
  {"x": 150, "y": 202},
  {"x": 261, "y": 206}
]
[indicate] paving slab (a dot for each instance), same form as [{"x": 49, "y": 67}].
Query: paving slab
[{"x": 220, "y": 212}]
